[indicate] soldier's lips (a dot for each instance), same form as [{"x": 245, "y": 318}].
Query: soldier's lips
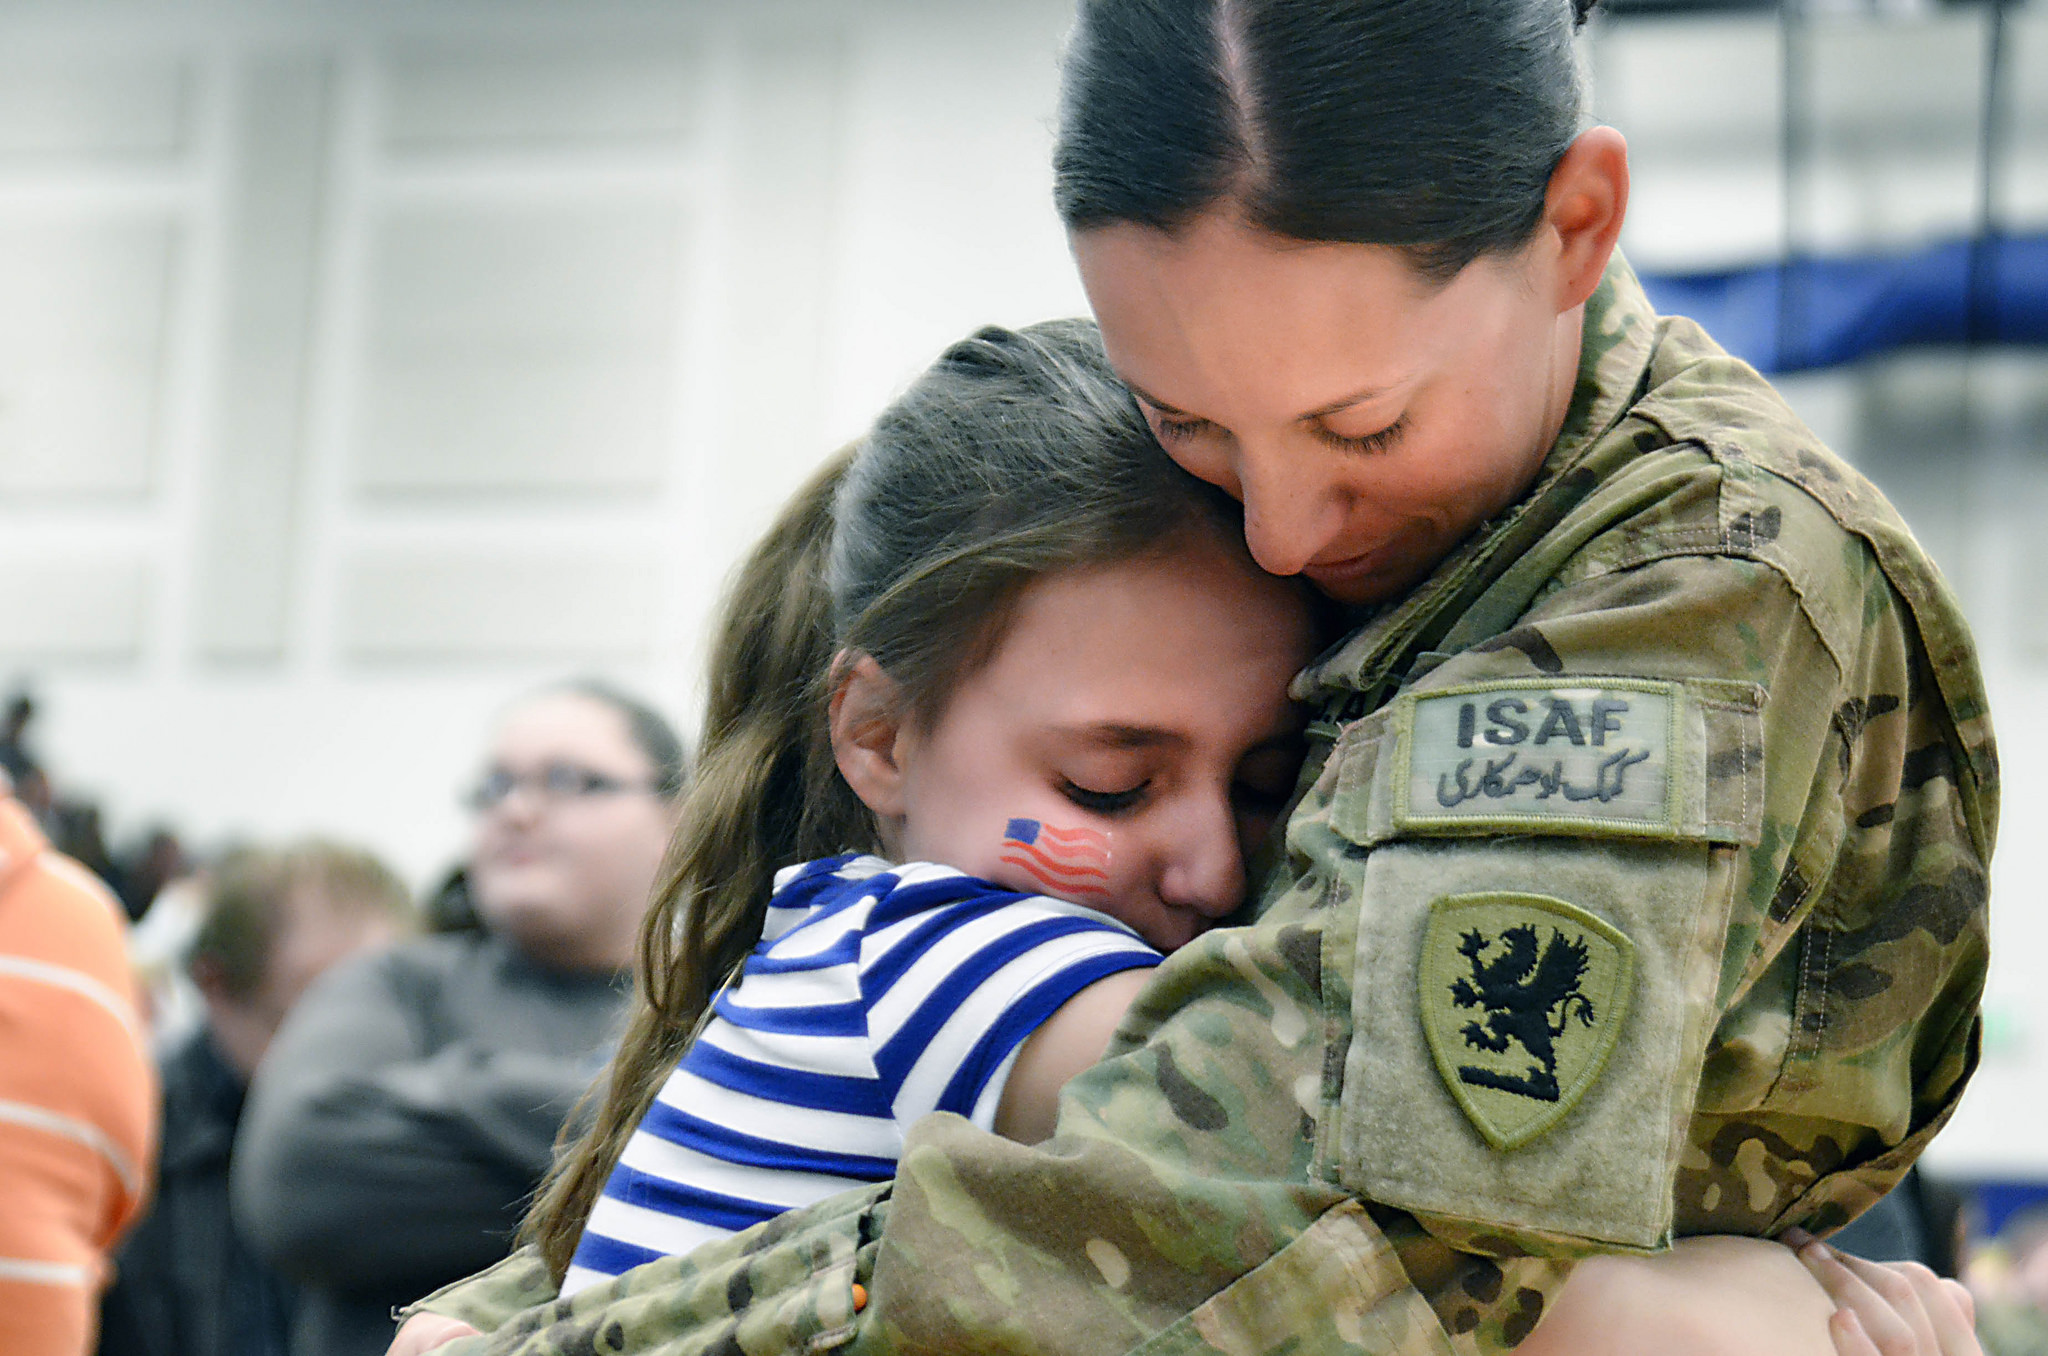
[
  {"x": 1406, "y": 551},
  {"x": 1339, "y": 575}
]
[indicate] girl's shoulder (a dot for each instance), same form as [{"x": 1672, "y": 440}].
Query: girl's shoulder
[{"x": 803, "y": 891}]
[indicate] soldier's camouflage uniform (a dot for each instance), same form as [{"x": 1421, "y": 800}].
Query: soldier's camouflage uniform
[{"x": 1776, "y": 896}]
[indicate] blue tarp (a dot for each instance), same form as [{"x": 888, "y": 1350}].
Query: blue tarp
[
  {"x": 1821, "y": 311},
  {"x": 1999, "y": 1201}
]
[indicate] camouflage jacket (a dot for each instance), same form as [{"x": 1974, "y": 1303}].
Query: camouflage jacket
[{"x": 1637, "y": 889}]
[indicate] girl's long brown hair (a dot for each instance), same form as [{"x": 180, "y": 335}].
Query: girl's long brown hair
[
  {"x": 761, "y": 782},
  {"x": 1016, "y": 454}
]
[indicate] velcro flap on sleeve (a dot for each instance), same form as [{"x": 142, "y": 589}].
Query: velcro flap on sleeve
[
  {"x": 1680, "y": 760},
  {"x": 1528, "y": 1015}
]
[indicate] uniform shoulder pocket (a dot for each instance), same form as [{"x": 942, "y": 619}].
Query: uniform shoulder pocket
[{"x": 1541, "y": 875}]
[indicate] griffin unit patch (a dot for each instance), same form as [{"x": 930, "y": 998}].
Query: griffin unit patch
[{"x": 1522, "y": 998}]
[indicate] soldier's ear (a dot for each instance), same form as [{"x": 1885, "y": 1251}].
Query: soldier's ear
[
  {"x": 1583, "y": 209},
  {"x": 868, "y": 723}
]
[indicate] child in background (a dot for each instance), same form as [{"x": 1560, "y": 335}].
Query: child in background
[{"x": 1020, "y": 644}]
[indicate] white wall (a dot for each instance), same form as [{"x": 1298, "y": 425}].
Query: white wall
[{"x": 363, "y": 365}]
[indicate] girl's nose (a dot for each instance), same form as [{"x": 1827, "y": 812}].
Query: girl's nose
[{"x": 1204, "y": 869}]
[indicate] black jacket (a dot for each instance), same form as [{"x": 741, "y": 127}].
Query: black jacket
[
  {"x": 185, "y": 1282},
  {"x": 402, "y": 1117}
]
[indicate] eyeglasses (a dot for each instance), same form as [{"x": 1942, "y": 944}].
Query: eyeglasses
[{"x": 553, "y": 784}]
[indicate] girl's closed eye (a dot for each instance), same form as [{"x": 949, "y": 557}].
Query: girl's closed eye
[
  {"x": 1104, "y": 802},
  {"x": 1171, "y": 430}
]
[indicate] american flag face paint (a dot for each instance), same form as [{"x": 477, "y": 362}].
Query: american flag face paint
[{"x": 1070, "y": 863}]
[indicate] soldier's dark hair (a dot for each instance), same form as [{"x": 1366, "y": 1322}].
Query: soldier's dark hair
[
  {"x": 1017, "y": 454},
  {"x": 1431, "y": 125}
]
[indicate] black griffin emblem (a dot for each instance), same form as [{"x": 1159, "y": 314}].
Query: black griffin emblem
[{"x": 1529, "y": 999}]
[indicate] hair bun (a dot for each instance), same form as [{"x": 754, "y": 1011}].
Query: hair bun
[{"x": 1582, "y": 10}]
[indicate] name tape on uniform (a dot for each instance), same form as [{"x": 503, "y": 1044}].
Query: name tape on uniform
[{"x": 1521, "y": 755}]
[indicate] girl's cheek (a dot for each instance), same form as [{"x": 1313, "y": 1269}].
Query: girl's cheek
[{"x": 1065, "y": 860}]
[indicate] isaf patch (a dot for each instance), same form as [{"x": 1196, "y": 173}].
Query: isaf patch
[
  {"x": 1522, "y": 998},
  {"x": 1507, "y": 756}
]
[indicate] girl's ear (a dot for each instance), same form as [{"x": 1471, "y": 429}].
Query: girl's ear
[{"x": 867, "y": 735}]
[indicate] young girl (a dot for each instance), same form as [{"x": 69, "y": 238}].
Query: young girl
[{"x": 1017, "y": 644}]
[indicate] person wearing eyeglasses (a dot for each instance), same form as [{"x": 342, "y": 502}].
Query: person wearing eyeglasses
[{"x": 410, "y": 1103}]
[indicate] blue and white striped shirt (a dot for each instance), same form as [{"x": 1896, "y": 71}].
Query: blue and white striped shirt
[{"x": 878, "y": 995}]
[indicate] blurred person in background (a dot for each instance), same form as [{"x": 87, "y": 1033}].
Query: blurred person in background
[
  {"x": 31, "y": 784},
  {"x": 411, "y": 1102},
  {"x": 2009, "y": 1277},
  {"x": 73, "y": 824},
  {"x": 274, "y": 920},
  {"x": 76, "y": 830},
  {"x": 448, "y": 906},
  {"x": 149, "y": 864},
  {"x": 158, "y": 946},
  {"x": 77, "y": 1099}
]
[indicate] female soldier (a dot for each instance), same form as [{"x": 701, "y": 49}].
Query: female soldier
[{"x": 1638, "y": 889}]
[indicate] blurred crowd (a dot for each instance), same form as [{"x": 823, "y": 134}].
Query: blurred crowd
[
  {"x": 2009, "y": 1276},
  {"x": 291, "y": 1096},
  {"x": 136, "y": 874}
]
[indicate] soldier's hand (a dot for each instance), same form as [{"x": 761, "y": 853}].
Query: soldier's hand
[
  {"x": 1890, "y": 1308},
  {"x": 424, "y": 1332}
]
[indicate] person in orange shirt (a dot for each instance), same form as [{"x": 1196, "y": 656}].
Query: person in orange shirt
[{"x": 78, "y": 1107}]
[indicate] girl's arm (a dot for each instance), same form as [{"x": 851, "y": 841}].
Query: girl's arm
[
  {"x": 1746, "y": 1296},
  {"x": 480, "y": 1303},
  {"x": 1070, "y": 1040},
  {"x": 423, "y": 1333}
]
